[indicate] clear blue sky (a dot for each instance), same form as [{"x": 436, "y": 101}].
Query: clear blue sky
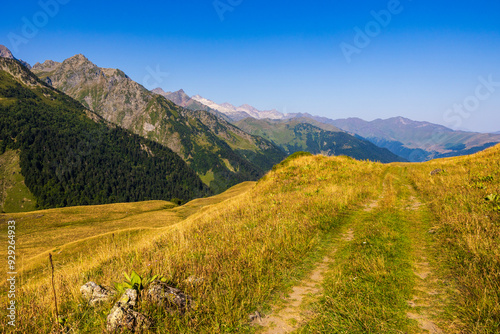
[{"x": 286, "y": 55}]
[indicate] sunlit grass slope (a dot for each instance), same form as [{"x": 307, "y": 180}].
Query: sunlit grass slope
[
  {"x": 251, "y": 243},
  {"x": 73, "y": 233},
  {"x": 245, "y": 248},
  {"x": 14, "y": 195},
  {"x": 468, "y": 226}
]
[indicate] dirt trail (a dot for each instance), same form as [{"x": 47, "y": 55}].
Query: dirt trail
[
  {"x": 290, "y": 317},
  {"x": 428, "y": 299},
  {"x": 370, "y": 206}
]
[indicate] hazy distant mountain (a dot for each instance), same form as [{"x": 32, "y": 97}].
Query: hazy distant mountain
[
  {"x": 113, "y": 95},
  {"x": 5, "y": 53},
  {"x": 293, "y": 132},
  {"x": 417, "y": 141},
  {"x": 241, "y": 112},
  {"x": 411, "y": 140},
  {"x": 299, "y": 134}
]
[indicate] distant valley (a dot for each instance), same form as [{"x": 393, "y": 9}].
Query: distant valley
[
  {"x": 303, "y": 134},
  {"x": 411, "y": 140},
  {"x": 418, "y": 141}
]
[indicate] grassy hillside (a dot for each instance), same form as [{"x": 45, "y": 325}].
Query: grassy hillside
[
  {"x": 408, "y": 250},
  {"x": 465, "y": 201},
  {"x": 14, "y": 195}
]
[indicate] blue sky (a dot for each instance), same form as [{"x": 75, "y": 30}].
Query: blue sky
[{"x": 427, "y": 60}]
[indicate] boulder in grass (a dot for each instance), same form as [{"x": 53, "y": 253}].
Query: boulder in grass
[
  {"x": 436, "y": 171},
  {"x": 161, "y": 294},
  {"x": 95, "y": 294},
  {"x": 123, "y": 316},
  {"x": 127, "y": 319}
]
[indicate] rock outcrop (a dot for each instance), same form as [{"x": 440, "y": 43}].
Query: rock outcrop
[
  {"x": 123, "y": 316},
  {"x": 95, "y": 294},
  {"x": 163, "y": 295}
]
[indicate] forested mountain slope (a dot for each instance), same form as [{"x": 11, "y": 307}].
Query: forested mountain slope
[
  {"x": 71, "y": 156},
  {"x": 120, "y": 100}
]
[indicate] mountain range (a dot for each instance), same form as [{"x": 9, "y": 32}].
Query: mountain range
[
  {"x": 411, "y": 140},
  {"x": 407, "y": 139},
  {"x": 216, "y": 150},
  {"x": 418, "y": 141},
  {"x": 68, "y": 155},
  {"x": 221, "y": 143},
  {"x": 195, "y": 128}
]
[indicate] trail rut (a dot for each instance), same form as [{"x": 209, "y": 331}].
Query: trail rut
[
  {"x": 291, "y": 317},
  {"x": 427, "y": 302}
]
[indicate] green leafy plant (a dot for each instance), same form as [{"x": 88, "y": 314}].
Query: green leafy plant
[
  {"x": 495, "y": 200},
  {"x": 136, "y": 282}
]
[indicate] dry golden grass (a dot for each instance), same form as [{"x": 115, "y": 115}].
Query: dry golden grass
[
  {"x": 469, "y": 229},
  {"x": 253, "y": 241},
  {"x": 245, "y": 248},
  {"x": 73, "y": 233}
]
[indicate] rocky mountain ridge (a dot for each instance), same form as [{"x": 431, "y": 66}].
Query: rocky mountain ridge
[
  {"x": 120, "y": 100},
  {"x": 5, "y": 53},
  {"x": 241, "y": 112}
]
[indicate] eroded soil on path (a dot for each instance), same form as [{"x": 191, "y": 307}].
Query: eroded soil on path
[
  {"x": 429, "y": 298},
  {"x": 290, "y": 317}
]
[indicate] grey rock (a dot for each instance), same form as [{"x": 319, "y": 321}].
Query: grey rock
[
  {"x": 436, "y": 171},
  {"x": 95, "y": 293},
  {"x": 122, "y": 318},
  {"x": 162, "y": 294},
  {"x": 129, "y": 298},
  {"x": 255, "y": 317},
  {"x": 122, "y": 315}
]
